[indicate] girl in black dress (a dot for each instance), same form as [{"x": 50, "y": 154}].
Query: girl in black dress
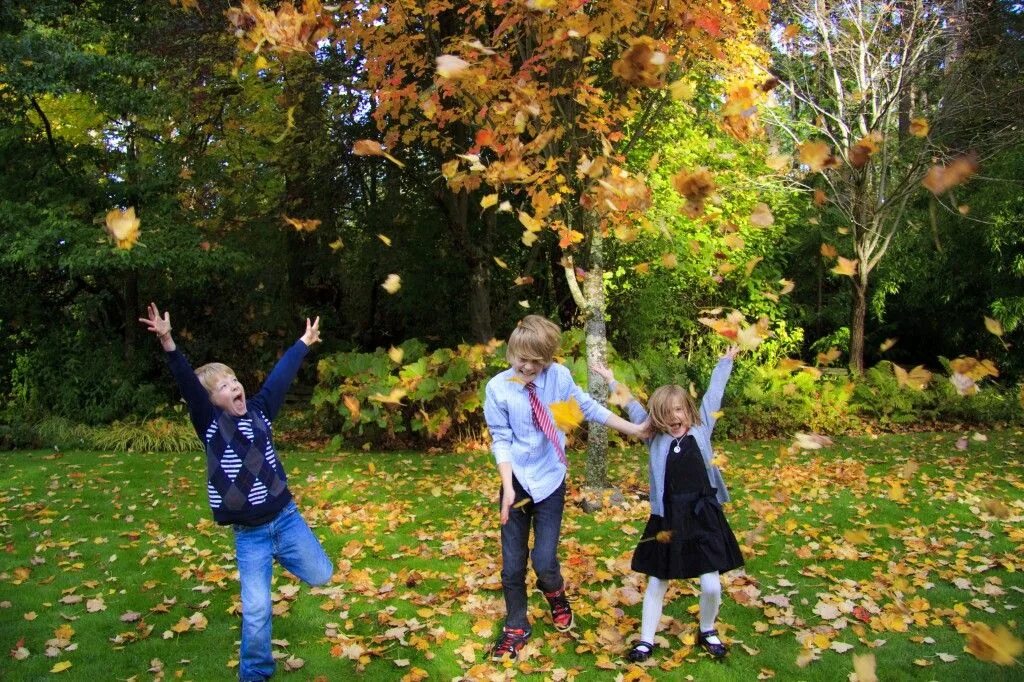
[{"x": 686, "y": 535}]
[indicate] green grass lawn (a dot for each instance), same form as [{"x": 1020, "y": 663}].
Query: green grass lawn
[{"x": 896, "y": 546}]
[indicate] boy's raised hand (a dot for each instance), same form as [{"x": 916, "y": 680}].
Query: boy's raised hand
[
  {"x": 312, "y": 334},
  {"x": 161, "y": 326},
  {"x": 731, "y": 352}
]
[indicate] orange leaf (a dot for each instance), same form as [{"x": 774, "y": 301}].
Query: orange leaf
[
  {"x": 997, "y": 646},
  {"x": 940, "y": 179},
  {"x": 816, "y": 155},
  {"x": 846, "y": 267}
]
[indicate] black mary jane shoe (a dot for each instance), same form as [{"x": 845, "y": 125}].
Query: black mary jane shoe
[
  {"x": 717, "y": 651},
  {"x": 640, "y": 652}
]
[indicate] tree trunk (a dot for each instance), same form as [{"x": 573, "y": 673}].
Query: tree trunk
[
  {"x": 480, "y": 301},
  {"x": 860, "y": 306},
  {"x": 597, "y": 344}
]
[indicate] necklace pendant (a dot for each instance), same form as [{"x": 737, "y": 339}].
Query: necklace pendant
[{"x": 676, "y": 449}]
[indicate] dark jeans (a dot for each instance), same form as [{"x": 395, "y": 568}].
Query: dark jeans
[{"x": 546, "y": 518}]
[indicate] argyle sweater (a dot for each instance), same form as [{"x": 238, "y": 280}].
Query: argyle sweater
[{"x": 245, "y": 481}]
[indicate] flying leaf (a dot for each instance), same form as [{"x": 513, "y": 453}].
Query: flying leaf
[
  {"x": 682, "y": 89},
  {"x": 352, "y": 404},
  {"x": 488, "y": 201},
  {"x": 620, "y": 395},
  {"x": 567, "y": 414},
  {"x": 997, "y": 646},
  {"x": 762, "y": 216},
  {"x": 846, "y": 267},
  {"x": 384, "y": 238},
  {"x": 696, "y": 186},
  {"x": 810, "y": 441},
  {"x": 993, "y": 326},
  {"x": 886, "y": 345},
  {"x": 940, "y": 179},
  {"x": 396, "y": 354},
  {"x": 373, "y": 148},
  {"x": 501, "y": 264},
  {"x": 864, "y": 148},
  {"x": 392, "y": 284},
  {"x": 829, "y": 251},
  {"x": 919, "y": 127},
  {"x": 864, "y": 668},
  {"x": 302, "y": 225},
  {"x": 829, "y": 356},
  {"x": 450, "y": 66},
  {"x": 816, "y": 155},
  {"x": 123, "y": 226},
  {"x": 392, "y": 398},
  {"x": 336, "y": 244}
]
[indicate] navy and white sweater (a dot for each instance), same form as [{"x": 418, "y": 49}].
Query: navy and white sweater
[{"x": 245, "y": 480}]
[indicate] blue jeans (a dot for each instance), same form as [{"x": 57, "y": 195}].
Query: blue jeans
[
  {"x": 546, "y": 519},
  {"x": 289, "y": 540}
]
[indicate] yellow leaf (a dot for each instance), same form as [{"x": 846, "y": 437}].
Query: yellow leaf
[
  {"x": 669, "y": 260},
  {"x": 829, "y": 356},
  {"x": 352, "y": 403},
  {"x": 817, "y": 155},
  {"x": 864, "y": 668},
  {"x": 682, "y": 89},
  {"x": 919, "y": 127},
  {"x": 846, "y": 267},
  {"x": 997, "y": 646},
  {"x": 857, "y": 537},
  {"x": 762, "y": 216},
  {"x": 60, "y": 667},
  {"x": 302, "y": 225},
  {"x": 528, "y": 238},
  {"x": 450, "y": 66},
  {"x": 335, "y": 245},
  {"x": 396, "y": 354},
  {"x": 384, "y": 238},
  {"x": 887, "y": 344},
  {"x": 392, "y": 284},
  {"x": 993, "y": 326},
  {"x": 501, "y": 264},
  {"x": 392, "y": 398},
  {"x": 488, "y": 201},
  {"x": 123, "y": 226},
  {"x": 373, "y": 148},
  {"x": 529, "y": 222},
  {"x": 567, "y": 414}
]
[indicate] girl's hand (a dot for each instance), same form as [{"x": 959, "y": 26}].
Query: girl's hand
[
  {"x": 604, "y": 373},
  {"x": 731, "y": 351},
  {"x": 508, "y": 497},
  {"x": 312, "y": 334},
  {"x": 645, "y": 430}
]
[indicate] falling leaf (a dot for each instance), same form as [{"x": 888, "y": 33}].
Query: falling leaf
[
  {"x": 816, "y": 155},
  {"x": 384, "y": 238},
  {"x": 846, "y": 267},
  {"x": 669, "y": 260},
  {"x": 864, "y": 668},
  {"x": 940, "y": 179},
  {"x": 696, "y": 187},
  {"x": 829, "y": 356},
  {"x": 396, "y": 354},
  {"x": 993, "y": 326},
  {"x": 335, "y": 245},
  {"x": 450, "y": 66},
  {"x": 123, "y": 226},
  {"x": 392, "y": 284},
  {"x": 762, "y": 216},
  {"x": 352, "y": 403},
  {"x": 810, "y": 441},
  {"x": 917, "y": 378},
  {"x": 373, "y": 148},
  {"x": 522, "y": 503},
  {"x": 302, "y": 225},
  {"x": 886, "y": 345},
  {"x": 641, "y": 64},
  {"x": 864, "y": 148},
  {"x": 820, "y": 198},
  {"x": 919, "y": 127},
  {"x": 682, "y": 89},
  {"x": 997, "y": 646},
  {"x": 501, "y": 264},
  {"x": 392, "y": 398},
  {"x": 567, "y": 414},
  {"x": 829, "y": 251},
  {"x": 488, "y": 201}
]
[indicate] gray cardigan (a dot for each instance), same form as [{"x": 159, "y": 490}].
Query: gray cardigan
[{"x": 658, "y": 446}]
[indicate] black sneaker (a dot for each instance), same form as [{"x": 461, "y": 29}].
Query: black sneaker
[
  {"x": 561, "y": 612},
  {"x": 509, "y": 643}
]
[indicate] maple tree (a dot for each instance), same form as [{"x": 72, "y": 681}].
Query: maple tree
[{"x": 532, "y": 106}]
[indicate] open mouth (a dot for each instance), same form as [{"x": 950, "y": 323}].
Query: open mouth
[{"x": 238, "y": 402}]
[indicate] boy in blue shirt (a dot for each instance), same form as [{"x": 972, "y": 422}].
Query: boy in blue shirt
[
  {"x": 530, "y": 453},
  {"x": 246, "y": 483}
]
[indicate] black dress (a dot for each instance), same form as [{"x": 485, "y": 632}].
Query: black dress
[{"x": 693, "y": 537}]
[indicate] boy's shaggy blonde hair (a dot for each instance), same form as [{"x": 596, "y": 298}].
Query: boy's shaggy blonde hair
[
  {"x": 661, "y": 402},
  {"x": 534, "y": 338},
  {"x": 211, "y": 373}
]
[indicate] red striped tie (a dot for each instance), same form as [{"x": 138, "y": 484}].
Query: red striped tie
[{"x": 543, "y": 421}]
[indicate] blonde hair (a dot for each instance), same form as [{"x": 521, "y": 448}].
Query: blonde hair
[
  {"x": 210, "y": 374},
  {"x": 661, "y": 403},
  {"x": 534, "y": 338}
]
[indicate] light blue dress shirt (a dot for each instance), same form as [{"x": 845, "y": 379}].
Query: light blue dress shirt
[{"x": 514, "y": 436}]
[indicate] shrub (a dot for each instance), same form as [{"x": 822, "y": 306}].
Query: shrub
[
  {"x": 149, "y": 435},
  {"x": 406, "y": 396}
]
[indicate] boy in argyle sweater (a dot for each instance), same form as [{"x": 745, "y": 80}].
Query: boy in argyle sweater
[
  {"x": 530, "y": 453},
  {"x": 246, "y": 483}
]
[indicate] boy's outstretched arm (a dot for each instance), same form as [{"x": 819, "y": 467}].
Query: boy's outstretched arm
[
  {"x": 196, "y": 397},
  {"x": 272, "y": 393}
]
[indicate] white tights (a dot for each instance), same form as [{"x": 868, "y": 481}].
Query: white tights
[{"x": 654, "y": 600}]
